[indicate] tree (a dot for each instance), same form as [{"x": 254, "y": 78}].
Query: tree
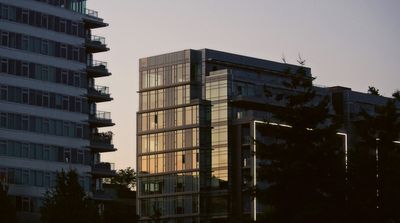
[
  {"x": 303, "y": 160},
  {"x": 68, "y": 202},
  {"x": 120, "y": 210},
  {"x": 376, "y": 163},
  {"x": 374, "y": 91},
  {"x": 125, "y": 177},
  {"x": 7, "y": 209}
]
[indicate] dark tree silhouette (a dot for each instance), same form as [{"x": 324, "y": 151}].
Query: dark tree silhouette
[
  {"x": 120, "y": 210},
  {"x": 125, "y": 177},
  {"x": 376, "y": 164},
  {"x": 372, "y": 90},
  {"x": 7, "y": 209},
  {"x": 67, "y": 202},
  {"x": 303, "y": 161}
]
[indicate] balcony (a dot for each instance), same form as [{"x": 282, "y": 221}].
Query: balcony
[
  {"x": 92, "y": 19},
  {"x": 100, "y": 119},
  {"x": 101, "y": 142},
  {"x": 96, "y": 44},
  {"x": 97, "y": 69},
  {"x": 99, "y": 94},
  {"x": 103, "y": 169},
  {"x": 104, "y": 195}
]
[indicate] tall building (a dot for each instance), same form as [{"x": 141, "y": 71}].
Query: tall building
[
  {"x": 48, "y": 97},
  {"x": 199, "y": 111}
]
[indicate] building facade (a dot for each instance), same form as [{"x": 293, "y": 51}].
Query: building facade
[
  {"x": 48, "y": 116},
  {"x": 199, "y": 111}
]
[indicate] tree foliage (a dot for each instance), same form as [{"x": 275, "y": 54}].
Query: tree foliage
[
  {"x": 303, "y": 158},
  {"x": 7, "y": 209},
  {"x": 375, "y": 164},
  {"x": 125, "y": 177},
  {"x": 68, "y": 202},
  {"x": 372, "y": 90}
]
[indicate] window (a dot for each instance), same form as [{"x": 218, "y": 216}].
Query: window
[
  {"x": 24, "y": 42},
  {"x": 75, "y": 53},
  {"x": 4, "y": 38},
  {"x": 74, "y": 28},
  {"x": 63, "y": 50},
  {"x": 79, "y": 131},
  {"x": 46, "y": 153},
  {"x": 3, "y": 92},
  {"x": 25, "y": 16},
  {"x": 45, "y": 99},
  {"x": 77, "y": 79},
  {"x": 45, "y": 21},
  {"x": 25, "y": 122},
  {"x": 67, "y": 155},
  {"x": 64, "y": 77},
  {"x": 45, "y": 47},
  {"x": 25, "y": 95},
  {"x": 63, "y": 25},
  {"x": 65, "y": 103},
  {"x": 4, "y": 12},
  {"x": 25, "y": 69},
  {"x": 4, "y": 65},
  {"x": 3, "y": 148}
]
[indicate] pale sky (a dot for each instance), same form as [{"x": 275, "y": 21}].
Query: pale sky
[{"x": 352, "y": 43}]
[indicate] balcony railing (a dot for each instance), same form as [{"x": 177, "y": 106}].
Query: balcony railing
[
  {"x": 104, "y": 169},
  {"x": 100, "y": 90},
  {"x": 97, "y": 64},
  {"x": 92, "y": 13},
  {"x": 102, "y": 115},
  {"x": 101, "y": 138},
  {"x": 96, "y": 44},
  {"x": 96, "y": 39},
  {"x": 104, "y": 166}
]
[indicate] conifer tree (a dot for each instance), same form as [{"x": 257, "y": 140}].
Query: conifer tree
[
  {"x": 68, "y": 202},
  {"x": 375, "y": 175},
  {"x": 303, "y": 160},
  {"x": 7, "y": 209}
]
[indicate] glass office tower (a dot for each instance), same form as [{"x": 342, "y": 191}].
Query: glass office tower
[
  {"x": 198, "y": 115},
  {"x": 188, "y": 164},
  {"x": 48, "y": 97}
]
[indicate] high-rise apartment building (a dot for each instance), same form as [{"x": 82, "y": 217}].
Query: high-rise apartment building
[
  {"x": 199, "y": 111},
  {"x": 48, "y": 97}
]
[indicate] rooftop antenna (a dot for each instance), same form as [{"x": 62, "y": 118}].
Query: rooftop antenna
[{"x": 301, "y": 61}]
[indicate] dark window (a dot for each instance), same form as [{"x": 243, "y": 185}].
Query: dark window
[
  {"x": 45, "y": 21},
  {"x": 63, "y": 51},
  {"x": 63, "y": 25},
  {"x": 4, "y": 38},
  {"x": 4, "y": 65},
  {"x": 25, "y": 16},
  {"x": 3, "y": 92},
  {"x": 25, "y": 69}
]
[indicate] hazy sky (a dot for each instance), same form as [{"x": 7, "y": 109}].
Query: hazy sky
[{"x": 353, "y": 43}]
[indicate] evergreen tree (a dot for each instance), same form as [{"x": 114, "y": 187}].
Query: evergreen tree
[
  {"x": 68, "y": 203},
  {"x": 7, "y": 209},
  {"x": 303, "y": 160},
  {"x": 376, "y": 162}
]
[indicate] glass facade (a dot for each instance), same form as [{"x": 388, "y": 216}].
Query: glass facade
[{"x": 168, "y": 124}]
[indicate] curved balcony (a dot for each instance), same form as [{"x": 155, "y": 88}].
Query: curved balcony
[
  {"x": 103, "y": 169},
  {"x": 101, "y": 142},
  {"x": 92, "y": 19},
  {"x": 99, "y": 94},
  {"x": 97, "y": 68},
  {"x": 96, "y": 44},
  {"x": 100, "y": 119}
]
